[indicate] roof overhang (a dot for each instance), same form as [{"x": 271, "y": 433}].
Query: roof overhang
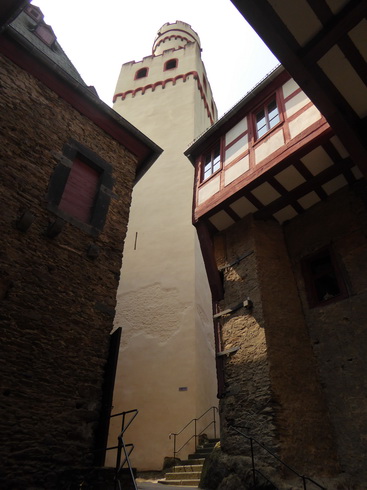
[
  {"x": 322, "y": 44},
  {"x": 9, "y": 9},
  {"x": 16, "y": 48}
]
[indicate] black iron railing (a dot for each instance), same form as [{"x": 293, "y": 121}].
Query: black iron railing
[
  {"x": 124, "y": 449},
  {"x": 256, "y": 471},
  {"x": 196, "y": 435}
]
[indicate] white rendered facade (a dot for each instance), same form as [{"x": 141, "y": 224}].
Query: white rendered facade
[{"x": 167, "y": 357}]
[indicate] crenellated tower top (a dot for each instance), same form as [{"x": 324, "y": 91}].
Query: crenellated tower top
[{"x": 174, "y": 36}]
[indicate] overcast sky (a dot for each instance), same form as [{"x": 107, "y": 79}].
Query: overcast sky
[{"x": 99, "y": 36}]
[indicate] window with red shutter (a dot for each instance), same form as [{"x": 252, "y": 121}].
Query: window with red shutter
[
  {"x": 80, "y": 191},
  {"x": 80, "y": 188}
]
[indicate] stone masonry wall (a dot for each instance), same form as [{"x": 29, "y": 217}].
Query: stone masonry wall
[
  {"x": 247, "y": 401},
  {"x": 301, "y": 417},
  {"x": 338, "y": 330},
  {"x": 273, "y": 390},
  {"x": 56, "y": 303}
]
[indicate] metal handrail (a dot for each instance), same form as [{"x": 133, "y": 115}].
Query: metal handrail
[
  {"x": 195, "y": 435},
  {"x": 254, "y": 470},
  {"x": 123, "y": 447}
]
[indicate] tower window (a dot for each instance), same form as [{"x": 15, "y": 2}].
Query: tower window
[
  {"x": 170, "y": 64},
  {"x": 211, "y": 162},
  {"x": 323, "y": 279},
  {"x": 266, "y": 118},
  {"x": 143, "y": 72}
]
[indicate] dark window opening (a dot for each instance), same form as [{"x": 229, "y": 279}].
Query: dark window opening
[
  {"x": 143, "y": 72},
  {"x": 323, "y": 278},
  {"x": 211, "y": 162},
  {"x": 266, "y": 118},
  {"x": 170, "y": 64}
]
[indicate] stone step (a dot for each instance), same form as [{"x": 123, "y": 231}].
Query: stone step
[
  {"x": 187, "y": 468},
  {"x": 202, "y": 454},
  {"x": 192, "y": 461},
  {"x": 204, "y": 450},
  {"x": 188, "y": 475},
  {"x": 181, "y": 483}
]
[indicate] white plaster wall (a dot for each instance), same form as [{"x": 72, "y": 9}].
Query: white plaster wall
[
  {"x": 236, "y": 149},
  {"x": 236, "y": 170},
  {"x": 305, "y": 120},
  {"x": 209, "y": 189},
  {"x": 164, "y": 303},
  {"x": 268, "y": 146}
]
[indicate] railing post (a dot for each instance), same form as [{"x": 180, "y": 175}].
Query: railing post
[
  {"x": 174, "y": 446},
  {"x": 215, "y": 424},
  {"x": 304, "y": 483},
  {"x": 196, "y": 444},
  {"x": 253, "y": 462}
]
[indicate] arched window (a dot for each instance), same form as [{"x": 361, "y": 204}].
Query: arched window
[
  {"x": 143, "y": 72},
  {"x": 170, "y": 64}
]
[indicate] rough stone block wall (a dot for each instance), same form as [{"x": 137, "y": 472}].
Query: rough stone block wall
[
  {"x": 56, "y": 303},
  {"x": 301, "y": 417},
  {"x": 247, "y": 401},
  {"x": 273, "y": 389},
  {"x": 338, "y": 330}
]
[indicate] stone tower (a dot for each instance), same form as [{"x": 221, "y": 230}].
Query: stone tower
[{"x": 167, "y": 358}]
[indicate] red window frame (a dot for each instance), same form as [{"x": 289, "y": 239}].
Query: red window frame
[
  {"x": 266, "y": 117},
  {"x": 139, "y": 72},
  {"x": 167, "y": 64},
  {"x": 211, "y": 162}
]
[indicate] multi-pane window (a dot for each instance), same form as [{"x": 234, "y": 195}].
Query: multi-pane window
[
  {"x": 211, "y": 162},
  {"x": 267, "y": 118}
]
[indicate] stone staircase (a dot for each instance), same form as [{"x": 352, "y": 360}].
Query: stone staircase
[{"x": 188, "y": 472}]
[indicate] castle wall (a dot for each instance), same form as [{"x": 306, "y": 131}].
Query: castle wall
[
  {"x": 338, "y": 330},
  {"x": 272, "y": 386},
  {"x": 56, "y": 302}
]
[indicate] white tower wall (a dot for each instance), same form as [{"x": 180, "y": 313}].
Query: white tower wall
[{"x": 164, "y": 302}]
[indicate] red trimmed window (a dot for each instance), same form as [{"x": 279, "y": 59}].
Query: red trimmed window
[
  {"x": 143, "y": 72},
  {"x": 323, "y": 278},
  {"x": 266, "y": 118},
  {"x": 170, "y": 64},
  {"x": 80, "y": 191},
  {"x": 211, "y": 162}
]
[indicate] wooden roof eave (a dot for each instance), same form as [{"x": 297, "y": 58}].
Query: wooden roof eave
[{"x": 350, "y": 130}]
